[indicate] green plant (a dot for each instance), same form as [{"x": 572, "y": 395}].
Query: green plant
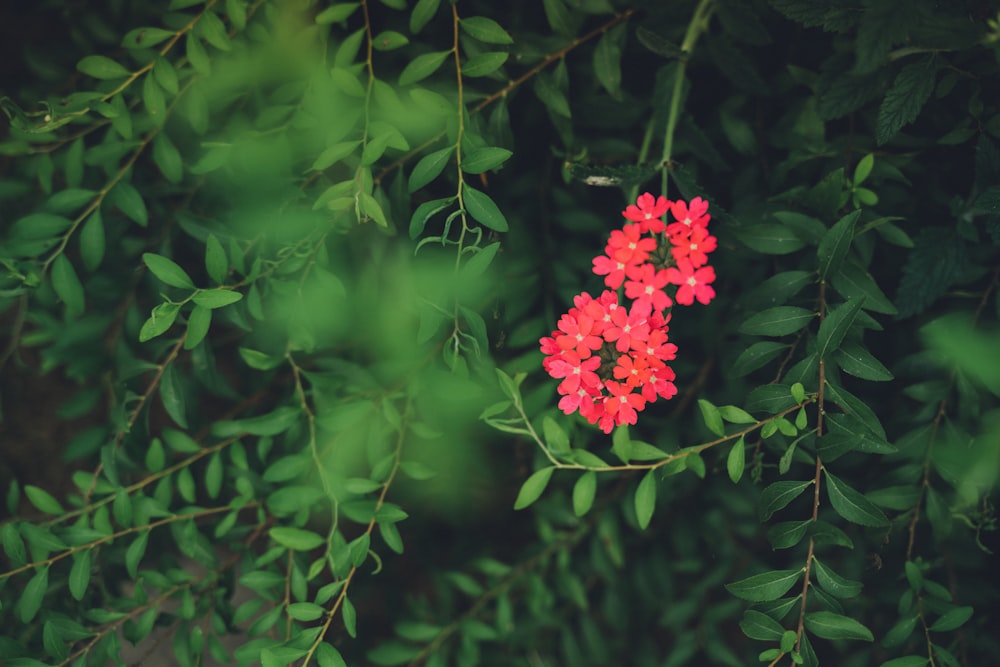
[{"x": 279, "y": 271}]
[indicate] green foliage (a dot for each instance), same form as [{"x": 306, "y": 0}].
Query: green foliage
[{"x": 273, "y": 277}]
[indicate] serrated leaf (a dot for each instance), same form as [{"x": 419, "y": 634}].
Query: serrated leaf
[
  {"x": 853, "y": 506},
  {"x": 645, "y": 499},
  {"x": 766, "y": 586},
  {"x": 786, "y": 534},
  {"x": 833, "y": 583},
  {"x": 902, "y": 104},
  {"x": 778, "y": 321},
  {"x": 829, "y": 625},
  {"x": 778, "y": 495},
  {"x": 533, "y": 487},
  {"x": 481, "y": 207}
]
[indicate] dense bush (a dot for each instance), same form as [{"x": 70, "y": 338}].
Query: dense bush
[{"x": 281, "y": 281}]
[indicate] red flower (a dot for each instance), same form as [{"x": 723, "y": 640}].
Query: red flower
[
  {"x": 648, "y": 212},
  {"x": 629, "y": 246},
  {"x": 688, "y": 216},
  {"x": 647, "y": 286},
  {"x": 576, "y": 372},
  {"x": 694, "y": 283},
  {"x": 612, "y": 269},
  {"x": 695, "y": 246},
  {"x": 634, "y": 371},
  {"x": 578, "y": 332},
  {"x": 623, "y": 404},
  {"x": 627, "y": 327}
]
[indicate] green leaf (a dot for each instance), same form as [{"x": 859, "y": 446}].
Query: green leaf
[
  {"x": 757, "y": 356},
  {"x": 859, "y": 362},
  {"x": 101, "y": 67},
  {"x": 769, "y": 238},
  {"x": 153, "y": 99},
  {"x": 216, "y": 262},
  {"x": 907, "y": 661},
  {"x": 388, "y": 40},
  {"x": 758, "y": 625},
  {"x": 833, "y": 583},
  {"x": 422, "y": 13},
  {"x": 863, "y": 169},
  {"x": 144, "y": 38},
  {"x": 422, "y": 67},
  {"x": 167, "y": 270},
  {"x": 485, "y": 30},
  {"x": 79, "y": 574},
  {"x": 161, "y": 319},
  {"x": 350, "y": 616},
  {"x": 135, "y": 552},
  {"x": 43, "y": 500},
  {"x": 370, "y": 208},
  {"x": 533, "y": 487},
  {"x": 853, "y": 281},
  {"x": 334, "y": 154},
  {"x": 736, "y": 461},
  {"x": 658, "y": 44},
  {"x": 484, "y": 64},
  {"x": 197, "y": 55},
  {"x": 835, "y": 243},
  {"x": 424, "y": 213},
  {"x": 296, "y": 539},
  {"x": 216, "y": 298},
  {"x": 766, "y": 586},
  {"x": 237, "y": 12},
  {"x": 829, "y": 625},
  {"x": 92, "y": 241},
  {"x": 213, "y": 476},
  {"x": 336, "y": 13},
  {"x": 777, "y": 496},
  {"x": 31, "y": 597},
  {"x": 853, "y": 506},
  {"x": 778, "y": 321},
  {"x": 167, "y": 158},
  {"x": 555, "y": 436},
  {"x": 583, "y": 492},
  {"x": 902, "y": 104},
  {"x": 952, "y": 619},
  {"x": 428, "y": 168},
  {"x": 835, "y": 326},
  {"x": 483, "y": 209},
  {"x": 173, "y": 395},
  {"x": 305, "y": 611},
  {"x": 645, "y": 499},
  {"x": 13, "y": 545},
  {"x": 198, "y": 323},
  {"x": 484, "y": 159},
  {"x": 712, "y": 418},
  {"x": 608, "y": 60},
  {"x": 68, "y": 286},
  {"x": 786, "y": 534}
]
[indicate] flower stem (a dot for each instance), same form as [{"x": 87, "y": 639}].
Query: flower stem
[{"x": 699, "y": 23}]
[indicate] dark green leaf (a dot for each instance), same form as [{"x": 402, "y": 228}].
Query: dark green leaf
[
  {"x": 79, "y": 574},
  {"x": 833, "y": 583},
  {"x": 766, "y": 586},
  {"x": 852, "y": 281},
  {"x": 428, "y": 168},
  {"x": 135, "y": 552},
  {"x": 608, "y": 60},
  {"x": 829, "y": 625},
  {"x": 173, "y": 395},
  {"x": 216, "y": 298},
  {"x": 902, "y": 104},
  {"x": 852, "y": 505},
  {"x": 952, "y": 619},
  {"x": 485, "y": 30},
  {"x": 645, "y": 499},
  {"x": 68, "y": 286},
  {"x": 835, "y": 326},
  {"x": 756, "y": 356},
  {"x": 484, "y": 64},
  {"x": 907, "y": 661},
  {"x": 778, "y": 321},
  {"x": 835, "y": 243},
  {"x": 144, "y": 38},
  {"x": 422, "y": 13},
  {"x": 337, "y": 12},
  {"x": 31, "y": 597},
  {"x": 757, "y": 625},
  {"x": 777, "y": 496},
  {"x": 736, "y": 461},
  {"x": 101, "y": 67},
  {"x": 859, "y": 362},
  {"x": 92, "y": 241},
  {"x": 484, "y": 159},
  {"x": 787, "y": 534},
  {"x": 769, "y": 238},
  {"x": 153, "y": 99}
]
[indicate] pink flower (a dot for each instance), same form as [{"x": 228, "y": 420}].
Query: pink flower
[
  {"x": 627, "y": 327},
  {"x": 578, "y": 333},
  {"x": 634, "y": 371},
  {"x": 647, "y": 286},
  {"x": 612, "y": 269},
  {"x": 629, "y": 246},
  {"x": 576, "y": 372},
  {"x": 582, "y": 399},
  {"x": 648, "y": 212},
  {"x": 695, "y": 247},
  {"x": 694, "y": 283},
  {"x": 656, "y": 346}
]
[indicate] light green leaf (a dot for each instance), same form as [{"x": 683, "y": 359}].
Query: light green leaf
[
  {"x": 736, "y": 461},
  {"x": 710, "y": 415},
  {"x": 583, "y": 492},
  {"x": 135, "y": 552},
  {"x": 92, "y": 241},
  {"x": 485, "y": 30},
  {"x": 484, "y": 64},
  {"x": 388, "y": 40},
  {"x": 43, "y": 500},
  {"x": 101, "y": 67},
  {"x": 483, "y": 209},
  {"x": 428, "y": 168},
  {"x": 422, "y": 13},
  {"x": 144, "y": 38},
  {"x": 167, "y": 158},
  {"x": 422, "y": 67},
  {"x": 533, "y": 487},
  {"x": 79, "y": 574},
  {"x": 31, "y": 597},
  {"x": 952, "y": 619},
  {"x": 216, "y": 261},
  {"x": 484, "y": 159},
  {"x": 645, "y": 499},
  {"x": 216, "y": 298},
  {"x": 167, "y": 270},
  {"x": 337, "y": 12},
  {"x": 130, "y": 202},
  {"x": 296, "y": 539},
  {"x": 161, "y": 319}
]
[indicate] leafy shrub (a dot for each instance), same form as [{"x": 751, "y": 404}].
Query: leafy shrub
[{"x": 275, "y": 277}]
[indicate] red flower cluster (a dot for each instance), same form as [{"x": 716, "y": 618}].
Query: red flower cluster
[{"x": 611, "y": 357}]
